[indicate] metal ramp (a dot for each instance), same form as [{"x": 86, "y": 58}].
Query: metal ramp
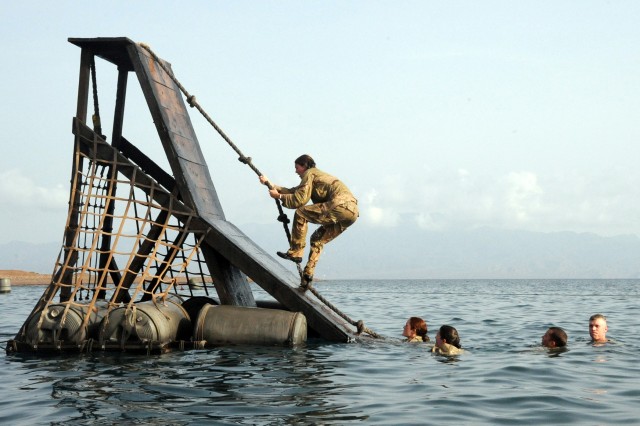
[{"x": 136, "y": 232}]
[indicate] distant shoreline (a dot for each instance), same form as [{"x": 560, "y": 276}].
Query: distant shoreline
[{"x": 19, "y": 278}]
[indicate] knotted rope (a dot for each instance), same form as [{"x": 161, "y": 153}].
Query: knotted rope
[
  {"x": 97, "y": 126},
  {"x": 282, "y": 217}
]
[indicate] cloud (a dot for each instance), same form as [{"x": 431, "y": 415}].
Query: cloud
[
  {"x": 522, "y": 197},
  {"x": 382, "y": 207},
  {"x": 524, "y": 200},
  {"x": 31, "y": 213},
  {"x": 428, "y": 222},
  {"x": 19, "y": 191}
]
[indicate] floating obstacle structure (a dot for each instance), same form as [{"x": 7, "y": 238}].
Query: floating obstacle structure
[{"x": 148, "y": 260}]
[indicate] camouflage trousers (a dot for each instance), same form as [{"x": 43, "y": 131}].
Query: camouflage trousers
[{"x": 333, "y": 222}]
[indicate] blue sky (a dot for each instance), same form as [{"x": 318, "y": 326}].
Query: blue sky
[{"x": 446, "y": 115}]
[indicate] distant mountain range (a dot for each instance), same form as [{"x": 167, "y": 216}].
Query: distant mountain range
[{"x": 411, "y": 253}]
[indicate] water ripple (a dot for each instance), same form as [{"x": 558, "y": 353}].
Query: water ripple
[{"x": 504, "y": 378}]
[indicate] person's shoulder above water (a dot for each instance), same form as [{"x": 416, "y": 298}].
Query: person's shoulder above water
[
  {"x": 602, "y": 343},
  {"x": 446, "y": 349}
]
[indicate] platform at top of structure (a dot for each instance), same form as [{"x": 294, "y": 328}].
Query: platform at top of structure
[{"x": 112, "y": 49}]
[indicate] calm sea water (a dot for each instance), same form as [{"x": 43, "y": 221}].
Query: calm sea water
[{"x": 505, "y": 377}]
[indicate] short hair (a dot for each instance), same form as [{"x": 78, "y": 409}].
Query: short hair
[
  {"x": 420, "y": 326},
  {"x": 597, "y": 316},
  {"x": 559, "y": 336},
  {"x": 450, "y": 334},
  {"x": 305, "y": 161}
]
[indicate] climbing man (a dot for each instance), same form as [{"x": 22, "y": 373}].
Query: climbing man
[{"x": 334, "y": 208}]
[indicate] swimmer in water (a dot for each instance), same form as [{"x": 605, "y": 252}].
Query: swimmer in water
[
  {"x": 555, "y": 337},
  {"x": 447, "y": 341},
  {"x": 415, "y": 330},
  {"x": 598, "y": 329}
]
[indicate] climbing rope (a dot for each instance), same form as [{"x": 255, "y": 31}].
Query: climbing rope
[
  {"x": 282, "y": 217},
  {"x": 97, "y": 126},
  {"x": 191, "y": 100}
]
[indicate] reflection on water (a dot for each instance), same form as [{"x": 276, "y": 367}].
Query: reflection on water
[
  {"x": 225, "y": 385},
  {"x": 504, "y": 376}
]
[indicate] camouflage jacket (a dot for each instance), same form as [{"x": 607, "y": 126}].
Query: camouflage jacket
[
  {"x": 319, "y": 187},
  {"x": 446, "y": 349}
]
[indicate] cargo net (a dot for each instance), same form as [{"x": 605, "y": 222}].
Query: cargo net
[
  {"x": 121, "y": 244},
  {"x": 131, "y": 253}
]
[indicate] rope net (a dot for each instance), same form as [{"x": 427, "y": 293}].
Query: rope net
[{"x": 127, "y": 238}]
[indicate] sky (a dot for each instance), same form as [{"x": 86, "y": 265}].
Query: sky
[{"x": 439, "y": 115}]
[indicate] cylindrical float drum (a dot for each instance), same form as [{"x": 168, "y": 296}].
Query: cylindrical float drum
[
  {"x": 193, "y": 305},
  {"x": 58, "y": 325},
  {"x": 146, "y": 322},
  {"x": 5, "y": 285},
  {"x": 225, "y": 324}
]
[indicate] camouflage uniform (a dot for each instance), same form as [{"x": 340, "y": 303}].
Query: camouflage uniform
[
  {"x": 447, "y": 349},
  {"x": 334, "y": 208}
]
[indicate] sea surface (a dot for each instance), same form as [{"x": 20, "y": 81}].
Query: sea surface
[{"x": 504, "y": 377}]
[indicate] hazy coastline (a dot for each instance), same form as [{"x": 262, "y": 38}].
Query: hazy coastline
[{"x": 18, "y": 277}]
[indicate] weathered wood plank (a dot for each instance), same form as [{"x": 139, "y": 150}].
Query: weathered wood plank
[
  {"x": 177, "y": 135},
  {"x": 187, "y": 163}
]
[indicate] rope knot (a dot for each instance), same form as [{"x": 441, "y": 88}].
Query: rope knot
[
  {"x": 306, "y": 285},
  {"x": 244, "y": 160},
  {"x": 283, "y": 218},
  {"x": 191, "y": 100}
]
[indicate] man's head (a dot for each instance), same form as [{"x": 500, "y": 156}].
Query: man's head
[
  {"x": 555, "y": 337},
  {"x": 598, "y": 328}
]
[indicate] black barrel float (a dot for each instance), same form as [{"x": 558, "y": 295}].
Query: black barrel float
[
  {"x": 224, "y": 324},
  {"x": 62, "y": 324},
  {"x": 145, "y": 324}
]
